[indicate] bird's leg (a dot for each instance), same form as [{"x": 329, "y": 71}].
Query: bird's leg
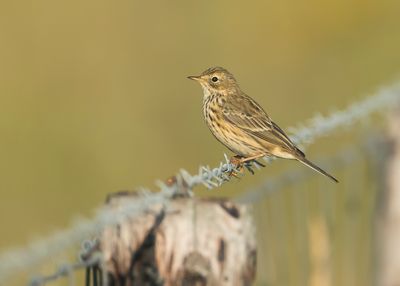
[{"x": 255, "y": 157}]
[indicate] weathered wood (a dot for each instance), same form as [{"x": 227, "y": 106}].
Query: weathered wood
[
  {"x": 388, "y": 227},
  {"x": 190, "y": 241}
]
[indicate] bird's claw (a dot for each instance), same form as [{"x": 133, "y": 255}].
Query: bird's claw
[
  {"x": 248, "y": 167},
  {"x": 259, "y": 164}
]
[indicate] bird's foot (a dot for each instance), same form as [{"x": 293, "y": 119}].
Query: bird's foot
[
  {"x": 240, "y": 163},
  {"x": 237, "y": 170}
]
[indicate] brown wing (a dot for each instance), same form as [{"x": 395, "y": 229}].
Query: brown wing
[{"x": 248, "y": 115}]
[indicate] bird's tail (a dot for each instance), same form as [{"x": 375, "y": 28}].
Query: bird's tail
[{"x": 310, "y": 164}]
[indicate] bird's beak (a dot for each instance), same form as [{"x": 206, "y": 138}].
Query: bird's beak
[{"x": 194, "y": 77}]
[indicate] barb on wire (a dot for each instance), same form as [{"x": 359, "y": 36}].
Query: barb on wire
[{"x": 13, "y": 261}]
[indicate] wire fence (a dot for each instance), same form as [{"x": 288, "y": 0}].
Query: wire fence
[
  {"x": 14, "y": 261},
  {"x": 314, "y": 233}
]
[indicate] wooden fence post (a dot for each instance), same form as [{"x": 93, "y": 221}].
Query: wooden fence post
[{"x": 188, "y": 241}]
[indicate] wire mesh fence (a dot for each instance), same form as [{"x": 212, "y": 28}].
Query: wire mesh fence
[
  {"x": 313, "y": 233},
  {"x": 299, "y": 227}
]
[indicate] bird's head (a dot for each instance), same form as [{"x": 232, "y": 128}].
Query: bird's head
[{"x": 216, "y": 80}]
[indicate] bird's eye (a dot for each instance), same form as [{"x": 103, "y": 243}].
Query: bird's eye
[{"x": 214, "y": 79}]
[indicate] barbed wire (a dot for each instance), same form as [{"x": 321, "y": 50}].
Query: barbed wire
[
  {"x": 319, "y": 125},
  {"x": 14, "y": 261}
]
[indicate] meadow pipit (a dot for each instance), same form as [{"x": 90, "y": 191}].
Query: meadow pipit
[{"x": 241, "y": 124}]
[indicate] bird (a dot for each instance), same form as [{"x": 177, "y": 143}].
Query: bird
[{"x": 242, "y": 125}]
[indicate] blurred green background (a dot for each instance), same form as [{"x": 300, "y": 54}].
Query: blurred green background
[{"x": 94, "y": 96}]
